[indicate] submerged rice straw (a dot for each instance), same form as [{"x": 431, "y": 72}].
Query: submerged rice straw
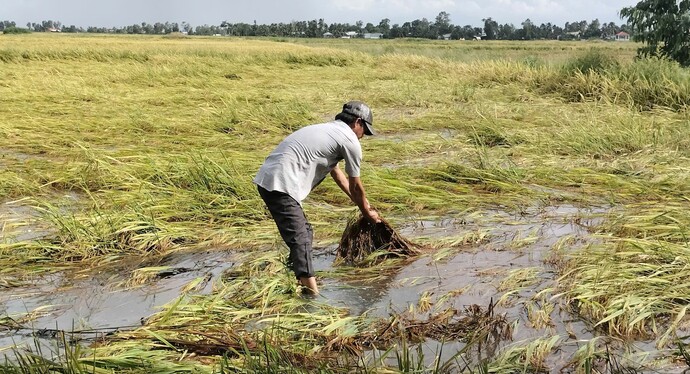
[{"x": 361, "y": 238}]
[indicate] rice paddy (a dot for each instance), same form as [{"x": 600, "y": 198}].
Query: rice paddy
[{"x": 547, "y": 183}]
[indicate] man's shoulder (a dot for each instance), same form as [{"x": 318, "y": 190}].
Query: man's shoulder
[
  {"x": 336, "y": 123},
  {"x": 332, "y": 127},
  {"x": 322, "y": 126}
]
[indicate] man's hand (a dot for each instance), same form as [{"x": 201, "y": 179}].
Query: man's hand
[
  {"x": 373, "y": 216},
  {"x": 359, "y": 197}
]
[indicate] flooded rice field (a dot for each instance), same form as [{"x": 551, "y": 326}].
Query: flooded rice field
[
  {"x": 507, "y": 266},
  {"x": 18, "y": 222},
  {"x": 100, "y": 301},
  {"x": 510, "y": 243}
]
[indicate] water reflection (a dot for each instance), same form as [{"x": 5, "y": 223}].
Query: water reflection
[
  {"x": 471, "y": 275},
  {"x": 96, "y": 301}
]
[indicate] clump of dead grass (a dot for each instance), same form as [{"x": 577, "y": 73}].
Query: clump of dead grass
[{"x": 365, "y": 242}]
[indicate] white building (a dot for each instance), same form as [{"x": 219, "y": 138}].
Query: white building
[
  {"x": 622, "y": 36},
  {"x": 373, "y": 35}
]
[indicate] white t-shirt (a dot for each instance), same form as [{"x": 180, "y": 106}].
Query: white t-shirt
[{"x": 303, "y": 159}]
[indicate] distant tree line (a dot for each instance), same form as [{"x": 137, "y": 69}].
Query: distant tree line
[{"x": 440, "y": 28}]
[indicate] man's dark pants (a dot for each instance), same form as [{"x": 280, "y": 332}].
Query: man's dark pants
[{"x": 293, "y": 227}]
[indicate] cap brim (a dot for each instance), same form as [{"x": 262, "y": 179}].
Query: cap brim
[{"x": 368, "y": 129}]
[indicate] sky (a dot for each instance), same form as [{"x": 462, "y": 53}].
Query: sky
[{"x": 109, "y": 13}]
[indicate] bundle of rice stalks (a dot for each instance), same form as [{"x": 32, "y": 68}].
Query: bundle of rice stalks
[{"x": 362, "y": 238}]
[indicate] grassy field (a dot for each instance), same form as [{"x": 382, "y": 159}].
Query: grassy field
[{"x": 121, "y": 146}]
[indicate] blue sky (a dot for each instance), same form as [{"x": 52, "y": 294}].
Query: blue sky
[{"x": 198, "y": 12}]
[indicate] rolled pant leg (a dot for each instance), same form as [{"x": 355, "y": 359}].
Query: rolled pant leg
[{"x": 294, "y": 228}]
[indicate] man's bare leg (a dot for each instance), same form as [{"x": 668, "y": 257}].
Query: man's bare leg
[{"x": 310, "y": 283}]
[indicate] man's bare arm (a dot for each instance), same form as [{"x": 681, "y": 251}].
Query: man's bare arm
[
  {"x": 360, "y": 198},
  {"x": 353, "y": 188},
  {"x": 341, "y": 180}
]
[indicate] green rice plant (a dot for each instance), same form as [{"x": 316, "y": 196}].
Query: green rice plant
[
  {"x": 489, "y": 136},
  {"x": 524, "y": 357},
  {"x": 522, "y": 240},
  {"x": 515, "y": 282},
  {"x": 411, "y": 358},
  {"x": 268, "y": 358},
  {"x": 408, "y": 361},
  {"x": 424, "y": 304},
  {"x": 202, "y": 175},
  {"x": 597, "y": 355},
  {"x": 652, "y": 83},
  {"x": 540, "y": 308},
  {"x": 318, "y": 59},
  {"x": 463, "y": 93},
  {"x": 508, "y": 72},
  {"x": 533, "y": 61},
  {"x": 448, "y": 296},
  {"x": 490, "y": 174},
  {"x": 69, "y": 358},
  {"x": 520, "y": 278},
  {"x": 683, "y": 353},
  {"x": 87, "y": 236},
  {"x": 644, "y": 84},
  {"x": 449, "y": 247},
  {"x": 587, "y": 358},
  {"x": 593, "y": 61},
  {"x": 631, "y": 285}
]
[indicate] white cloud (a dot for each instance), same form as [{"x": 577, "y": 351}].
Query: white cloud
[
  {"x": 395, "y": 7},
  {"x": 354, "y": 5}
]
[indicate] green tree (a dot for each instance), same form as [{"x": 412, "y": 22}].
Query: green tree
[
  {"x": 16, "y": 30},
  {"x": 528, "y": 29},
  {"x": 442, "y": 23},
  {"x": 397, "y": 31},
  {"x": 505, "y": 32},
  {"x": 593, "y": 29},
  {"x": 385, "y": 26},
  {"x": 7, "y": 24},
  {"x": 663, "y": 26},
  {"x": 490, "y": 28}
]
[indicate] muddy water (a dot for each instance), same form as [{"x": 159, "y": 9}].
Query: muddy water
[
  {"x": 19, "y": 222},
  {"x": 479, "y": 268},
  {"x": 514, "y": 242},
  {"x": 98, "y": 303},
  {"x": 476, "y": 272}
]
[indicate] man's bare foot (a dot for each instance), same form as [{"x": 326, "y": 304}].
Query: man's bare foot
[{"x": 310, "y": 284}]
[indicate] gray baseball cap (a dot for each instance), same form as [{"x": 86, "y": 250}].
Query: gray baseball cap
[{"x": 361, "y": 110}]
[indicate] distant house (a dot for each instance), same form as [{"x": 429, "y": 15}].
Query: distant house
[
  {"x": 373, "y": 35},
  {"x": 446, "y": 36},
  {"x": 327, "y": 35},
  {"x": 622, "y": 36},
  {"x": 53, "y": 29},
  {"x": 573, "y": 35},
  {"x": 349, "y": 35}
]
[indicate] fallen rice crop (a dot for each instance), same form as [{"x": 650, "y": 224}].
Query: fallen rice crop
[{"x": 159, "y": 139}]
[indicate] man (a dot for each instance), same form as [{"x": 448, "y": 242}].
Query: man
[{"x": 299, "y": 163}]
